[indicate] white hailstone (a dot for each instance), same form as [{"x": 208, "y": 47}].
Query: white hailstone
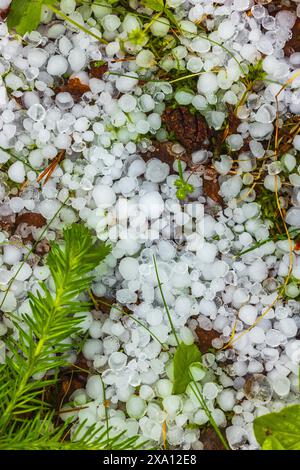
[
  {"x": 272, "y": 183},
  {"x": 258, "y": 271},
  {"x": 200, "y": 418},
  {"x": 172, "y": 405},
  {"x": 288, "y": 327},
  {"x": 286, "y": 19},
  {"x": 68, "y": 6},
  {"x": 127, "y": 82},
  {"x": 11, "y": 254},
  {"x": 8, "y": 302},
  {"x": 194, "y": 64},
  {"x": 232, "y": 187},
  {"x": 219, "y": 418},
  {"x": 219, "y": 269},
  {"x": 226, "y": 29},
  {"x": 207, "y": 83},
  {"x": 207, "y": 252},
  {"x": 293, "y": 216},
  {"x": 242, "y": 5},
  {"x": 236, "y": 436},
  {"x": 136, "y": 168},
  {"x": 22, "y": 271},
  {"x": 30, "y": 98},
  {"x": 296, "y": 142},
  {"x": 154, "y": 317},
  {"x": 77, "y": 59},
  {"x": 160, "y": 27},
  {"x": 210, "y": 390},
  {"x": 16, "y": 172},
  {"x": 248, "y": 314},
  {"x": 36, "y": 112},
  {"x": 142, "y": 126},
  {"x": 66, "y": 412},
  {"x": 136, "y": 407},
  {"x": 3, "y": 97},
  {"x": 145, "y": 59},
  {"x": 57, "y": 65},
  {"x": 92, "y": 347},
  {"x": 146, "y": 392},
  {"x": 37, "y": 57},
  {"x": 4, "y": 4},
  {"x": 16, "y": 204},
  {"x": 196, "y": 13},
  {"x": 266, "y": 114},
  {"x": 13, "y": 81},
  {"x": 117, "y": 361},
  {"x": 226, "y": 399},
  {"x": 207, "y": 308},
  {"x": 41, "y": 272},
  {"x": 186, "y": 334},
  {"x": 295, "y": 180},
  {"x": 274, "y": 338},
  {"x": 94, "y": 387},
  {"x": 197, "y": 371},
  {"x": 117, "y": 329},
  {"x": 86, "y": 320},
  {"x": 257, "y": 335},
  {"x": 151, "y": 204},
  {"x": 4, "y": 156},
  {"x": 48, "y": 208},
  {"x": 260, "y": 131},
  {"x": 3, "y": 329},
  {"x": 130, "y": 23},
  {"x": 129, "y": 268},
  {"x": 157, "y": 171},
  {"x": 127, "y": 103},
  {"x": 281, "y": 386},
  {"x": 164, "y": 388},
  {"x": 104, "y": 196},
  {"x": 147, "y": 103},
  {"x": 56, "y": 30},
  {"x": 292, "y": 350},
  {"x": 111, "y": 23}
]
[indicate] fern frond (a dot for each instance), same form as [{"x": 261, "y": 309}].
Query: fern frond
[{"x": 41, "y": 346}]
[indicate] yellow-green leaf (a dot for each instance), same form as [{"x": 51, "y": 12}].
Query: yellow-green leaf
[
  {"x": 156, "y": 5},
  {"x": 25, "y": 15},
  {"x": 184, "y": 356},
  {"x": 279, "y": 431}
]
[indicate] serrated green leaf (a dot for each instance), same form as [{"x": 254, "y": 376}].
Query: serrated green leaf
[
  {"x": 156, "y": 5},
  {"x": 25, "y": 15},
  {"x": 184, "y": 356},
  {"x": 279, "y": 431}
]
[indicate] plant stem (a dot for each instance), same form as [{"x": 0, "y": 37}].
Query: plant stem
[
  {"x": 201, "y": 400},
  {"x": 164, "y": 301}
]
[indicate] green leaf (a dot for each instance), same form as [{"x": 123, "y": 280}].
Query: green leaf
[
  {"x": 271, "y": 443},
  {"x": 184, "y": 356},
  {"x": 156, "y": 5},
  {"x": 279, "y": 431},
  {"x": 172, "y": 18},
  {"x": 25, "y": 15}
]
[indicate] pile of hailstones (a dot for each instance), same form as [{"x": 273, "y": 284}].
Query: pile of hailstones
[{"x": 107, "y": 185}]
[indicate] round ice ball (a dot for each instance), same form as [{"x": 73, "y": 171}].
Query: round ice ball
[
  {"x": 129, "y": 268},
  {"x": 104, "y": 196},
  {"x": 152, "y": 204}
]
